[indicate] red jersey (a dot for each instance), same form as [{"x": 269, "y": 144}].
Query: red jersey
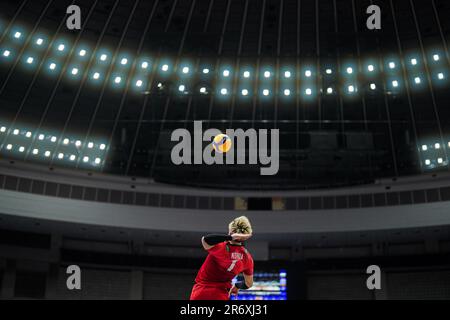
[{"x": 224, "y": 262}]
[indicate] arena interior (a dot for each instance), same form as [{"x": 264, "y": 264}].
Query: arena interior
[{"x": 87, "y": 116}]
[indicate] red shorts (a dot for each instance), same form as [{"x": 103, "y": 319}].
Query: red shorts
[{"x": 202, "y": 292}]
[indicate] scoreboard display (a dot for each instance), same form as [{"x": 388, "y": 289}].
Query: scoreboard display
[{"x": 266, "y": 286}]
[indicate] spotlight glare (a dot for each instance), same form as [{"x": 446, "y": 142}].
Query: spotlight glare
[
  {"x": 373, "y": 86},
  {"x": 266, "y": 92},
  {"x": 41, "y": 137},
  {"x": 6, "y": 53},
  {"x": 185, "y": 70},
  {"x": 3, "y": 129},
  {"x": 124, "y": 61},
  {"x": 413, "y": 61},
  {"x": 351, "y": 88},
  {"x": 436, "y": 57},
  {"x": 370, "y": 68},
  {"x": 144, "y": 65},
  {"x": 308, "y": 91},
  {"x": 349, "y": 70},
  {"x": 391, "y": 65},
  {"x": 103, "y": 57},
  {"x": 60, "y": 156},
  {"x": 82, "y": 53},
  {"x": 35, "y": 151},
  {"x": 39, "y": 41},
  {"x": 417, "y": 80},
  {"x": 427, "y": 162},
  {"x": 66, "y": 141},
  {"x": 30, "y": 60},
  {"x": 287, "y": 92},
  {"x": 437, "y": 146},
  {"x": 47, "y": 154},
  {"x": 329, "y": 90},
  {"x": 328, "y": 71},
  {"x": 96, "y": 76},
  {"x": 139, "y": 83},
  {"x": 395, "y": 83},
  {"x": 28, "y": 134},
  {"x": 53, "y": 139},
  {"x": 246, "y": 74},
  {"x": 97, "y": 160},
  {"x": 117, "y": 80},
  {"x": 244, "y": 92},
  {"x": 181, "y": 88},
  {"x": 74, "y": 71},
  {"x": 16, "y": 132},
  {"x": 90, "y": 145},
  {"x": 52, "y": 66},
  {"x": 61, "y": 47},
  {"x": 203, "y": 90},
  {"x": 266, "y": 74},
  {"x": 205, "y": 71},
  {"x": 165, "y": 68},
  {"x": 440, "y": 160},
  {"x": 226, "y": 73},
  {"x": 85, "y": 159},
  {"x": 224, "y": 91},
  {"x": 72, "y": 157},
  {"x": 287, "y": 74},
  {"x": 78, "y": 143},
  {"x": 424, "y": 147},
  {"x": 308, "y": 73},
  {"x": 440, "y": 76},
  {"x": 102, "y": 146},
  {"x": 17, "y": 35},
  {"x": 9, "y": 147},
  {"x": 21, "y": 149}
]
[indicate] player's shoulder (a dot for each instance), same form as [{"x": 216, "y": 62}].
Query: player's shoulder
[
  {"x": 217, "y": 247},
  {"x": 248, "y": 254}
]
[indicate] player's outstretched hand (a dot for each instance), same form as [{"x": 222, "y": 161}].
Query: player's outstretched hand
[
  {"x": 233, "y": 291},
  {"x": 240, "y": 236}
]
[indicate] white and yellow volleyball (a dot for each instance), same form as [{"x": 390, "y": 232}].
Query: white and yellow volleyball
[{"x": 222, "y": 143}]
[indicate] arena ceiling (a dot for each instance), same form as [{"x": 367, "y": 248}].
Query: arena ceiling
[{"x": 351, "y": 104}]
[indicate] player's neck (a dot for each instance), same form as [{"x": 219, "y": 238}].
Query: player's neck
[{"x": 235, "y": 243}]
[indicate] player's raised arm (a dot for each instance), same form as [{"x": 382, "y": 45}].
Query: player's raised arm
[{"x": 211, "y": 240}]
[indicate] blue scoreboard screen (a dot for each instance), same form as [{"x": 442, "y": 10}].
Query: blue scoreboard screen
[{"x": 266, "y": 286}]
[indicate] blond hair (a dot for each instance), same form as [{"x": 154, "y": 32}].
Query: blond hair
[{"x": 240, "y": 225}]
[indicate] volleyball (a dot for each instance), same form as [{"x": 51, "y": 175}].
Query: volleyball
[{"x": 222, "y": 143}]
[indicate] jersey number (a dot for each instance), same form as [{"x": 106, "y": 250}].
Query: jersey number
[{"x": 233, "y": 264}]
